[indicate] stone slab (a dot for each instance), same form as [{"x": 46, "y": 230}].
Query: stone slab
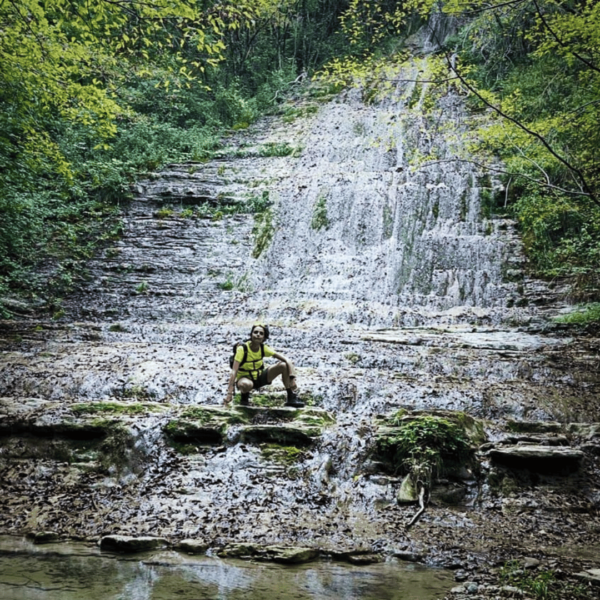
[{"x": 129, "y": 544}]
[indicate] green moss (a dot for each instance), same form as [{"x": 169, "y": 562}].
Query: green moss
[
  {"x": 279, "y": 149},
  {"x": 585, "y": 314},
  {"x": 319, "y": 218},
  {"x": 541, "y": 584},
  {"x": 226, "y": 285},
  {"x": 287, "y": 455},
  {"x": 263, "y": 232},
  {"x": 163, "y": 213},
  {"x": 267, "y": 400},
  {"x": 114, "y": 408}
]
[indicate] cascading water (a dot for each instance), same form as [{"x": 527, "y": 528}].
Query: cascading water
[{"x": 360, "y": 235}]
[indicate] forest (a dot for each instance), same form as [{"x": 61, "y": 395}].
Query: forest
[{"x": 98, "y": 93}]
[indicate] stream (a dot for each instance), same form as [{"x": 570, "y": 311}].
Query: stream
[{"x": 75, "y": 571}]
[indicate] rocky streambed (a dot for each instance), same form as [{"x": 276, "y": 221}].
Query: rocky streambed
[{"x": 400, "y": 299}]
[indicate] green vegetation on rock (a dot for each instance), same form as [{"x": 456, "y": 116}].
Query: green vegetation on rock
[
  {"x": 319, "y": 219},
  {"x": 584, "y": 315},
  {"x": 423, "y": 445},
  {"x": 114, "y": 408},
  {"x": 541, "y": 584}
]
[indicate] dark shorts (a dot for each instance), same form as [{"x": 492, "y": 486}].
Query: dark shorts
[{"x": 261, "y": 380}]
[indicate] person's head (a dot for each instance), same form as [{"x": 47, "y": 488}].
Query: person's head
[{"x": 260, "y": 327}]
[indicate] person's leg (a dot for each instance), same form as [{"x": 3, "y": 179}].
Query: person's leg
[
  {"x": 289, "y": 381},
  {"x": 245, "y": 385}
]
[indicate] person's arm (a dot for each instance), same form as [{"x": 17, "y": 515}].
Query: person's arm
[{"x": 230, "y": 387}]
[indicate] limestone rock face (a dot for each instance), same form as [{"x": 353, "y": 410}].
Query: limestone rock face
[
  {"x": 538, "y": 457},
  {"x": 125, "y": 543}
]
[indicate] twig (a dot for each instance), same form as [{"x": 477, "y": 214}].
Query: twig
[{"x": 421, "y": 507}]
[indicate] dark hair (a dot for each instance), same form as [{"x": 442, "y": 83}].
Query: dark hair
[{"x": 265, "y": 327}]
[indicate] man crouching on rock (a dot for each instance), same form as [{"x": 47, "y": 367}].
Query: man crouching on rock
[{"x": 248, "y": 372}]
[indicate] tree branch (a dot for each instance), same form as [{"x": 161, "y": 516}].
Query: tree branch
[
  {"x": 561, "y": 43},
  {"x": 512, "y": 175},
  {"x": 526, "y": 129}
]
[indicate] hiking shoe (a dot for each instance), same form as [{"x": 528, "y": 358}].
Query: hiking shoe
[
  {"x": 245, "y": 400},
  {"x": 294, "y": 401}
]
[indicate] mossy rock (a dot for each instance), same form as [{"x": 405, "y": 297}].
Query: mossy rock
[
  {"x": 313, "y": 417},
  {"x": 290, "y": 555},
  {"x": 473, "y": 428},
  {"x": 533, "y": 426},
  {"x": 285, "y": 455},
  {"x": 187, "y": 431},
  {"x": 74, "y": 430},
  {"x": 441, "y": 441},
  {"x": 214, "y": 415},
  {"x": 284, "y": 434},
  {"x": 238, "y": 550},
  {"x": 116, "y": 408},
  {"x": 43, "y": 537}
]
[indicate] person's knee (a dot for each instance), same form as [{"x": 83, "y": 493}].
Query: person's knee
[{"x": 245, "y": 386}]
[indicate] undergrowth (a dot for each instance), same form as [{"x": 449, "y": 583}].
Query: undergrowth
[
  {"x": 585, "y": 314},
  {"x": 424, "y": 446},
  {"x": 540, "y": 584}
]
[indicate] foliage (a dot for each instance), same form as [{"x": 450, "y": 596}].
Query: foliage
[
  {"x": 319, "y": 218},
  {"x": 94, "y": 94},
  {"x": 541, "y": 584},
  {"x": 95, "y": 408},
  {"x": 287, "y": 455},
  {"x": 263, "y": 232},
  {"x": 532, "y": 63},
  {"x": 423, "y": 445},
  {"x": 586, "y": 314}
]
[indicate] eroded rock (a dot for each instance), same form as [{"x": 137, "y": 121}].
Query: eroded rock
[{"x": 130, "y": 544}]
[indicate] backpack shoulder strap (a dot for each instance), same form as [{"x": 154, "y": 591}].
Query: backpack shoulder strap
[{"x": 245, "y": 357}]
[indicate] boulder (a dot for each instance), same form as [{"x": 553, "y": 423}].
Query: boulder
[
  {"x": 285, "y": 434},
  {"x": 555, "y": 459},
  {"x": 408, "y": 556},
  {"x": 238, "y": 550},
  {"x": 407, "y": 494},
  {"x": 193, "y": 546},
  {"x": 365, "y": 559},
  {"x": 125, "y": 543},
  {"x": 43, "y": 537},
  {"x": 290, "y": 555},
  {"x": 590, "y": 576}
]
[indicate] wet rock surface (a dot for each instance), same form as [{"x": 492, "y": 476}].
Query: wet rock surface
[{"x": 111, "y": 418}]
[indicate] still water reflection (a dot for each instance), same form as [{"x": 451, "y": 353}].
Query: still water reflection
[{"x": 87, "y": 575}]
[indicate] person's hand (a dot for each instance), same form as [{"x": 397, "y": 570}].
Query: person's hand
[{"x": 229, "y": 397}]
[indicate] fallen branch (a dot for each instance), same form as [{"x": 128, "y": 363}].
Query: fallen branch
[{"x": 421, "y": 506}]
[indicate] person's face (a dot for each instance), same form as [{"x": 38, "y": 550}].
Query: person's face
[{"x": 258, "y": 334}]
